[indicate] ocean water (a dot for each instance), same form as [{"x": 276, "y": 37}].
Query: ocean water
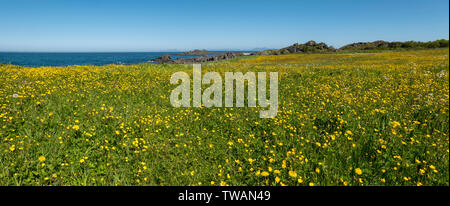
[{"x": 38, "y": 59}]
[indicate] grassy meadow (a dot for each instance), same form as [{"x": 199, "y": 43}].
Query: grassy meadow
[{"x": 344, "y": 119}]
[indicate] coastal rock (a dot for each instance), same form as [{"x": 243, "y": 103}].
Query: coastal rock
[
  {"x": 308, "y": 47},
  {"x": 166, "y": 59},
  {"x": 310, "y": 43},
  {"x": 196, "y": 52},
  {"x": 375, "y": 45}
]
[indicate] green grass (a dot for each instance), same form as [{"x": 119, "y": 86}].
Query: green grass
[{"x": 384, "y": 114}]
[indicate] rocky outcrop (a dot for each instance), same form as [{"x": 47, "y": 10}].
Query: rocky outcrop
[
  {"x": 166, "y": 59},
  {"x": 369, "y": 45},
  {"x": 308, "y": 47},
  {"x": 196, "y": 52},
  {"x": 383, "y": 45}
]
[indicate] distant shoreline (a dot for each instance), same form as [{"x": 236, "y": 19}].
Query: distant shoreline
[
  {"x": 309, "y": 47},
  {"x": 147, "y": 62},
  {"x": 60, "y": 59}
]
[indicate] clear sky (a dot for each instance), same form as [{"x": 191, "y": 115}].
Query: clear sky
[{"x": 132, "y": 25}]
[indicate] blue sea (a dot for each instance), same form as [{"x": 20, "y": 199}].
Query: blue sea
[{"x": 38, "y": 59}]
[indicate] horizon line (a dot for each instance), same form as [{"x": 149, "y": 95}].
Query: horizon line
[{"x": 185, "y": 50}]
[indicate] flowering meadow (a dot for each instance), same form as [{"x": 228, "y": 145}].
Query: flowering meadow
[{"x": 344, "y": 119}]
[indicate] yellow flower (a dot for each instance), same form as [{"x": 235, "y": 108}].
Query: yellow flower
[
  {"x": 395, "y": 124},
  {"x": 311, "y": 184},
  {"x": 277, "y": 179},
  {"x": 264, "y": 174},
  {"x": 358, "y": 171},
  {"x": 41, "y": 159},
  {"x": 300, "y": 180},
  {"x": 317, "y": 170},
  {"x": 421, "y": 171},
  {"x": 76, "y": 127},
  {"x": 293, "y": 174}
]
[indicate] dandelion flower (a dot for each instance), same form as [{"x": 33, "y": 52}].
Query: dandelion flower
[
  {"x": 358, "y": 171},
  {"x": 277, "y": 179},
  {"x": 41, "y": 158},
  {"x": 293, "y": 174}
]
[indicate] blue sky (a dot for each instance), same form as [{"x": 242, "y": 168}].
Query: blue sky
[{"x": 132, "y": 25}]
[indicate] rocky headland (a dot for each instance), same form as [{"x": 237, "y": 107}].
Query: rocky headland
[
  {"x": 308, "y": 47},
  {"x": 167, "y": 59}
]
